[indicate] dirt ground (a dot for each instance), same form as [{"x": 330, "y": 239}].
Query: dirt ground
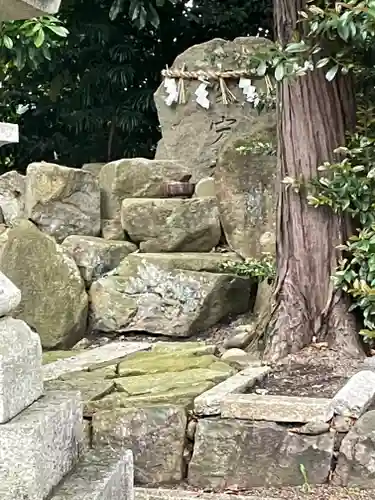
[{"x": 315, "y": 371}]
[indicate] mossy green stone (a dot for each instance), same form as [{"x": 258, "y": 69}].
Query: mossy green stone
[
  {"x": 164, "y": 382},
  {"x": 52, "y": 356},
  {"x": 180, "y": 396},
  {"x": 160, "y": 363},
  {"x": 184, "y": 348}
]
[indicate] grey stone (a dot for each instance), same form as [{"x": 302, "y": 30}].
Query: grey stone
[
  {"x": 112, "y": 229},
  {"x": 136, "y": 178},
  {"x": 211, "y": 262},
  {"x": 172, "y": 225},
  {"x": 288, "y": 409},
  {"x": 10, "y": 295},
  {"x": 209, "y": 403},
  {"x": 155, "y": 434},
  {"x": 263, "y": 298},
  {"x": 62, "y": 201},
  {"x": 40, "y": 446},
  {"x": 101, "y": 475},
  {"x": 245, "y": 189},
  {"x": 181, "y": 494},
  {"x": 355, "y": 464},
  {"x": 54, "y": 300},
  {"x": 12, "y": 195},
  {"x": 195, "y": 134},
  {"x": 240, "y": 338},
  {"x": 205, "y": 187},
  {"x": 233, "y": 453},
  {"x": 93, "y": 168},
  {"x": 140, "y": 296},
  {"x": 115, "y": 351},
  {"x": 356, "y": 396},
  {"x": 237, "y": 357},
  {"x": 21, "y": 376},
  {"x": 26, "y": 9},
  {"x": 95, "y": 256}
]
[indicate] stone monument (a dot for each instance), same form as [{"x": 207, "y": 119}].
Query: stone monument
[{"x": 42, "y": 433}]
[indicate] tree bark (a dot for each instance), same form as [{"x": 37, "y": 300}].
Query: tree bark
[{"x": 313, "y": 116}]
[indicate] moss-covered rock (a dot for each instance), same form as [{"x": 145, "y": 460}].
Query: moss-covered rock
[
  {"x": 140, "y": 296},
  {"x": 54, "y": 301}
]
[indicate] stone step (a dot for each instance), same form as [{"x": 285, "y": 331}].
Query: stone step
[
  {"x": 40, "y": 446},
  {"x": 181, "y": 494},
  {"x": 100, "y": 475}
]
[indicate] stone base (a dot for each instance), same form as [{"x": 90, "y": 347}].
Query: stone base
[
  {"x": 103, "y": 475},
  {"x": 21, "y": 375},
  {"x": 40, "y": 446}
]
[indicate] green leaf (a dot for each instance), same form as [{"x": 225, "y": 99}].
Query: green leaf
[
  {"x": 58, "y": 30},
  {"x": 296, "y": 47},
  {"x": 262, "y": 68},
  {"x": 115, "y": 9},
  {"x": 153, "y": 17},
  {"x": 279, "y": 72},
  {"x": 322, "y": 62},
  {"x": 330, "y": 75},
  {"x": 8, "y": 42},
  {"x": 343, "y": 31},
  {"x": 39, "y": 39}
]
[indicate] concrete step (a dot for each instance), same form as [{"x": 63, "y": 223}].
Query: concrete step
[
  {"x": 181, "y": 494},
  {"x": 40, "y": 446},
  {"x": 101, "y": 475}
]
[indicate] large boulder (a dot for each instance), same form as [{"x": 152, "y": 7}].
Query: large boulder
[
  {"x": 172, "y": 225},
  {"x": 355, "y": 464},
  {"x": 62, "y": 201},
  {"x": 12, "y": 196},
  {"x": 245, "y": 188},
  {"x": 155, "y": 434},
  {"x": 239, "y": 454},
  {"x": 136, "y": 178},
  {"x": 54, "y": 300},
  {"x": 193, "y": 133},
  {"x": 141, "y": 296},
  {"x": 95, "y": 256}
]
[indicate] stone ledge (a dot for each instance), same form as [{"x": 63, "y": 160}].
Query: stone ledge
[
  {"x": 180, "y": 494},
  {"x": 114, "y": 351},
  {"x": 289, "y": 409},
  {"x": 209, "y": 402},
  {"x": 103, "y": 475}
]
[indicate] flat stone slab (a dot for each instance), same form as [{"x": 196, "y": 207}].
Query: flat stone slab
[
  {"x": 21, "y": 375},
  {"x": 178, "y": 494},
  {"x": 273, "y": 408},
  {"x": 230, "y": 453},
  {"x": 101, "y": 475},
  {"x": 10, "y": 295},
  {"x": 355, "y": 397},
  {"x": 113, "y": 351},
  {"x": 209, "y": 402},
  {"x": 40, "y": 446}
]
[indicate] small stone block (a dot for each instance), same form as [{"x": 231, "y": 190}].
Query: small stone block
[
  {"x": 8, "y": 131},
  {"x": 40, "y": 446},
  {"x": 273, "y": 408},
  {"x": 356, "y": 396},
  {"x": 10, "y": 295},
  {"x": 21, "y": 375},
  {"x": 209, "y": 402},
  {"x": 102, "y": 475}
]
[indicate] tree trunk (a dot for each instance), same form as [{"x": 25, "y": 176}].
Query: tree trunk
[{"x": 313, "y": 117}]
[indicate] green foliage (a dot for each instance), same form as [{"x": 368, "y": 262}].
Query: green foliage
[
  {"x": 29, "y": 43},
  {"x": 260, "y": 269}
]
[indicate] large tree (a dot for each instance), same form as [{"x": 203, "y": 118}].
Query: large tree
[{"x": 314, "y": 115}]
